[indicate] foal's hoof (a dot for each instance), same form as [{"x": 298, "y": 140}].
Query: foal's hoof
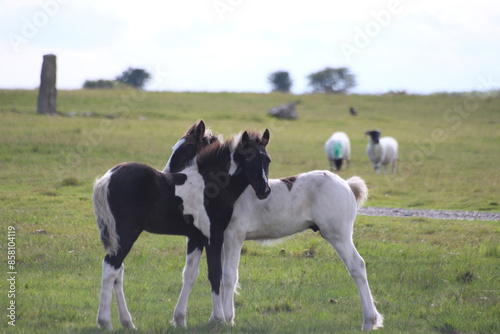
[
  {"x": 373, "y": 323},
  {"x": 217, "y": 319},
  {"x": 230, "y": 321},
  {"x": 106, "y": 324},
  {"x": 178, "y": 322},
  {"x": 128, "y": 324}
]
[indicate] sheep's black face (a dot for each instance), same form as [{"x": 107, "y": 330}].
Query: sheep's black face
[
  {"x": 374, "y": 135},
  {"x": 338, "y": 164}
]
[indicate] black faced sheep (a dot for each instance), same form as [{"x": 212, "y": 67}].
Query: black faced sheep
[{"x": 382, "y": 151}]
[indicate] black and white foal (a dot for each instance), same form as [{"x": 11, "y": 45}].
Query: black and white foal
[
  {"x": 317, "y": 200},
  {"x": 197, "y": 203}
]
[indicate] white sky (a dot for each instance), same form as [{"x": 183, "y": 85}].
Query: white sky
[{"x": 233, "y": 45}]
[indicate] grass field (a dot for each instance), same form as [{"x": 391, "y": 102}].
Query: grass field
[{"x": 427, "y": 275}]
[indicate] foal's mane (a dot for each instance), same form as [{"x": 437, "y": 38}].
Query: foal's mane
[
  {"x": 212, "y": 137},
  {"x": 214, "y": 153},
  {"x": 220, "y": 151}
]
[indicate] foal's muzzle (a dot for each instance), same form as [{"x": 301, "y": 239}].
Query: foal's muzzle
[{"x": 264, "y": 192}]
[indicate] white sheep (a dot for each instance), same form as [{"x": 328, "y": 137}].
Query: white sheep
[
  {"x": 337, "y": 149},
  {"x": 382, "y": 151}
]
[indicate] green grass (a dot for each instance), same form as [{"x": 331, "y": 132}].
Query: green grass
[
  {"x": 428, "y": 276},
  {"x": 448, "y": 160}
]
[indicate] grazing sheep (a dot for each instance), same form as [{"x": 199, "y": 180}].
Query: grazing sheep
[
  {"x": 337, "y": 149},
  {"x": 382, "y": 151}
]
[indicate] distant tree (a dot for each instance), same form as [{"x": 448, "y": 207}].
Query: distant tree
[
  {"x": 135, "y": 77},
  {"x": 280, "y": 81},
  {"x": 98, "y": 84},
  {"x": 332, "y": 80}
]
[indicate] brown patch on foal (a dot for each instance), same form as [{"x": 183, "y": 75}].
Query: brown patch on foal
[{"x": 289, "y": 181}]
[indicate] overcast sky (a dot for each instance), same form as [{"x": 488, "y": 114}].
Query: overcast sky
[{"x": 233, "y": 45}]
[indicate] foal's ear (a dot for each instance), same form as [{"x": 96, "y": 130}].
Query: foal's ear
[
  {"x": 197, "y": 129},
  {"x": 265, "y": 138},
  {"x": 200, "y": 130},
  {"x": 245, "y": 138}
]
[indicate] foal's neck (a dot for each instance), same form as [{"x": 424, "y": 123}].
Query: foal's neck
[{"x": 223, "y": 178}]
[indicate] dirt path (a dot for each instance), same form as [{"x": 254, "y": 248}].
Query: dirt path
[{"x": 436, "y": 214}]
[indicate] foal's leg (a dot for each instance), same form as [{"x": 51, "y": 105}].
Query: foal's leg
[
  {"x": 125, "y": 317},
  {"x": 356, "y": 267},
  {"x": 109, "y": 275},
  {"x": 232, "y": 252},
  {"x": 214, "y": 253},
  {"x": 194, "y": 251},
  {"x": 112, "y": 278}
]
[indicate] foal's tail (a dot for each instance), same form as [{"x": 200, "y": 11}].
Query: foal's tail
[
  {"x": 358, "y": 187},
  {"x": 103, "y": 215}
]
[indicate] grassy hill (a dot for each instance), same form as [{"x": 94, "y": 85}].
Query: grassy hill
[
  {"x": 449, "y": 147},
  {"x": 427, "y": 275}
]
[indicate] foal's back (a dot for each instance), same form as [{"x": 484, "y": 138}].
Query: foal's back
[
  {"x": 296, "y": 203},
  {"x": 143, "y": 196}
]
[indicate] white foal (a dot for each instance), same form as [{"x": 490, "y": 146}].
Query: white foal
[{"x": 319, "y": 200}]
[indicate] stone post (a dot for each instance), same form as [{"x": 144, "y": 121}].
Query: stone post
[{"x": 47, "y": 94}]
